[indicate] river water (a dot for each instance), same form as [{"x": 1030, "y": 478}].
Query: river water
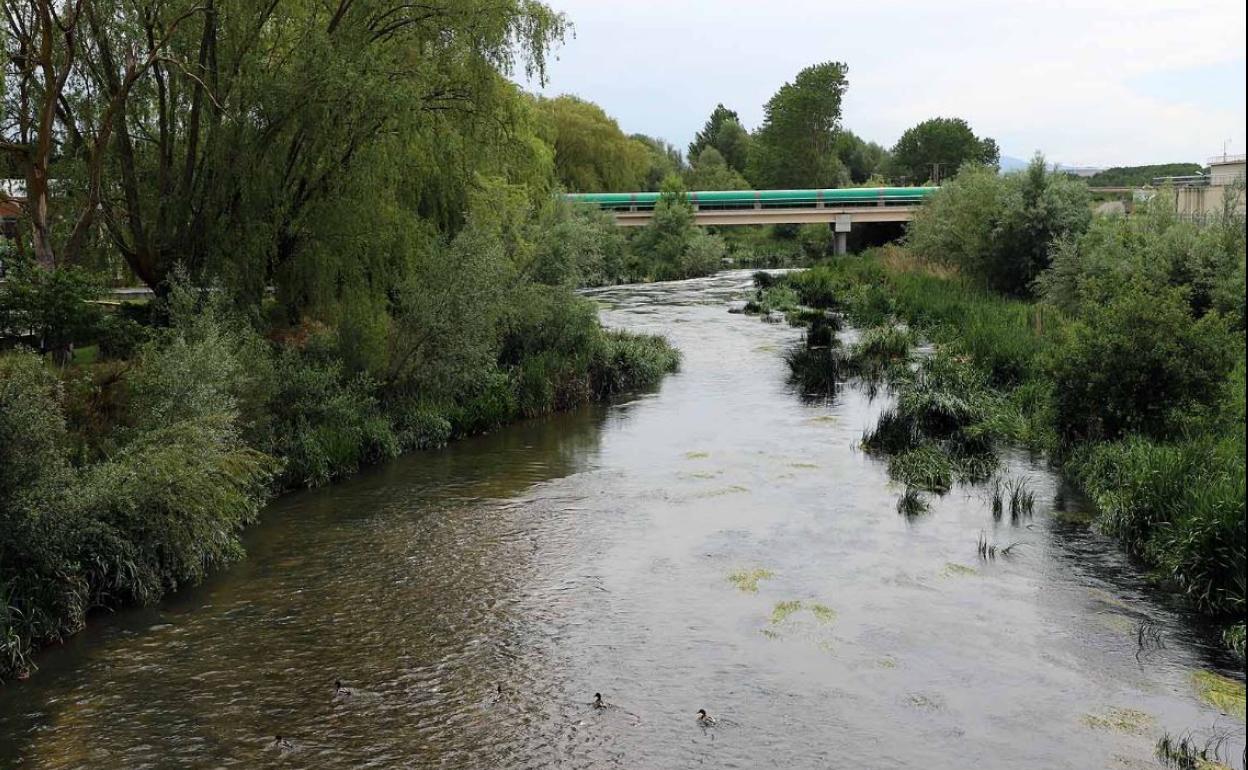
[{"x": 594, "y": 552}]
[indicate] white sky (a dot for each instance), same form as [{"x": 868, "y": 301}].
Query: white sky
[{"x": 1106, "y": 82}]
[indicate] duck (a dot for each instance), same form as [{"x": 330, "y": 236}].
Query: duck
[
  {"x": 705, "y": 719},
  {"x": 282, "y": 744},
  {"x": 340, "y": 691},
  {"x": 598, "y": 704}
]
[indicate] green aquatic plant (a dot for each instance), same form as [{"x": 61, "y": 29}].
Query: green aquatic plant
[
  {"x": 1185, "y": 753},
  {"x": 912, "y": 503},
  {"x": 823, "y": 613},
  {"x": 783, "y": 610},
  {"x": 816, "y": 371},
  {"x": 1121, "y": 720},
  {"x": 747, "y": 580},
  {"x": 926, "y": 468},
  {"x": 1221, "y": 692}
]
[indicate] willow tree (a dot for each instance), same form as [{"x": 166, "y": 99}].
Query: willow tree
[
  {"x": 219, "y": 133},
  {"x": 592, "y": 154}
]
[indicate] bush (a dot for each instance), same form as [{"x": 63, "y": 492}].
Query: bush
[
  {"x": 1136, "y": 364},
  {"x": 626, "y": 361},
  {"x": 1180, "y": 507},
  {"x": 325, "y": 423},
  {"x": 998, "y": 229},
  {"x": 52, "y": 309}
]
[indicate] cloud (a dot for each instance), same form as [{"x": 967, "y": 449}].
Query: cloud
[{"x": 1073, "y": 79}]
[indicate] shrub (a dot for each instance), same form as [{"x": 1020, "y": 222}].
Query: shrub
[
  {"x": 1000, "y": 229},
  {"x": 626, "y": 361},
  {"x": 53, "y": 308},
  {"x": 325, "y": 423},
  {"x": 1133, "y": 365}
]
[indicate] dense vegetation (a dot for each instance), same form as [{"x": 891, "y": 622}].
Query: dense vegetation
[
  {"x": 347, "y": 217},
  {"x": 1139, "y": 176},
  {"x": 1120, "y": 354}
]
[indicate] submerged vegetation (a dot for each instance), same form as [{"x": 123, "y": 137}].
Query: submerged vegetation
[{"x": 1114, "y": 345}]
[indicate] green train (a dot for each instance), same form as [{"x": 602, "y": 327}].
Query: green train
[{"x": 764, "y": 199}]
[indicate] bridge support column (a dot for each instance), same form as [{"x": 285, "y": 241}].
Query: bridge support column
[{"x": 841, "y": 226}]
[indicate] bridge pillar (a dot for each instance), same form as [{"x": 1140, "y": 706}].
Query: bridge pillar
[{"x": 841, "y": 226}]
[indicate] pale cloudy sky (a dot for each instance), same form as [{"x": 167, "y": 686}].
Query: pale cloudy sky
[{"x": 1097, "y": 82}]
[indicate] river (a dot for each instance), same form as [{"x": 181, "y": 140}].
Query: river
[{"x": 719, "y": 543}]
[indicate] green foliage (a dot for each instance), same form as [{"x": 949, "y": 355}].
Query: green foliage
[
  {"x": 51, "y": 309},
  {"x": 592, "y": 154},
  {"x": 664, "y": 160},
  {"x": 937, "y": 148},
  {"x": 795, "y": 146},
  {"x": 671, "y": 247},
  {"x": 862, "y": 159},
  {"x": 1181, "y": 507},
  {"x": 711, "y": 172},
  {"x": 624, "y": 361},
  {"x": 1136, "y": 364},
  {"x": 1139, "y": 176},
  {"x": 723, "y": 133},
  {"x": 925, "y": 468},
  {"x": 1000, "y": 230},
  {"x": 1152, "y": 248}
]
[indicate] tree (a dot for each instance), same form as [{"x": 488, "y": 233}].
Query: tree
[
  {"x": 711, "y": 172},
  {"x": 795, "y": 146},
  {"x": 223, "y": 133},
  {"x": 664, "y": 160},
  {"x": 935, "y": 149},
  {"x": 706, "y": 137},
  {"x": 592, "y": 154},
  {"x": 862, "y": 159}
]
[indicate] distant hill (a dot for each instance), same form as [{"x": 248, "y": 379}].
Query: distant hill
[
  {"x": 1009, "y": 163},
  {"x": 1138, "y": 176}
]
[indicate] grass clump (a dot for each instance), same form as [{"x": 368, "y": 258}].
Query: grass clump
[
  {"x": 1186, "y": 753},
  {"x": 912, "y": 503},
  {"x": 925, "y": 468}
]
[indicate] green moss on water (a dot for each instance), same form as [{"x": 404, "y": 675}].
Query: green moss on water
[
  {"x": 1121, "y": 720},
  {"x": 1223, "y": 693},
  {"x": 747, "y": 580},
  {"x": 803, "y": 465},
  {"x": 958, "y": 570},
  {"x": 783, "y": 610},
  {"x": 886, "y": 662},
  {"x": 697, "y": 455},
  {"x": 823, "y": 613}
]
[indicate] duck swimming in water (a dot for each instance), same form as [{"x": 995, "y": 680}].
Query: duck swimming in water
[
  {"x": 598, "y": 704},
  {"x": 705, "y": 719},
  {"x": 281, "y": 743},
  {"x": 340, "y": 691}
]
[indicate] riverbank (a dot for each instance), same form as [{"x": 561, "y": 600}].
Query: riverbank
[
  {"x": 1140, "y": 402},
  {"x": 128, "y": 478}
]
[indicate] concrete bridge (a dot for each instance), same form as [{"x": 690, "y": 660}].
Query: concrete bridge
[{"x": 840, "y": 208}]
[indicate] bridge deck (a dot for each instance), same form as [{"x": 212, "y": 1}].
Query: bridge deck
[{"x": 775, "y": 216}]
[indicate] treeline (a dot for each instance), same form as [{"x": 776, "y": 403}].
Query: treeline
[
  {"x": 347, "y": 214},
  {"x": 1140, "y": 176},
  {"x": 1114, "y": 344},
  {"x": 801, "y": 144}
]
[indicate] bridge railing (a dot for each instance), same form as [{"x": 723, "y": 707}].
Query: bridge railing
[{"x": 723, "y": 200}]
